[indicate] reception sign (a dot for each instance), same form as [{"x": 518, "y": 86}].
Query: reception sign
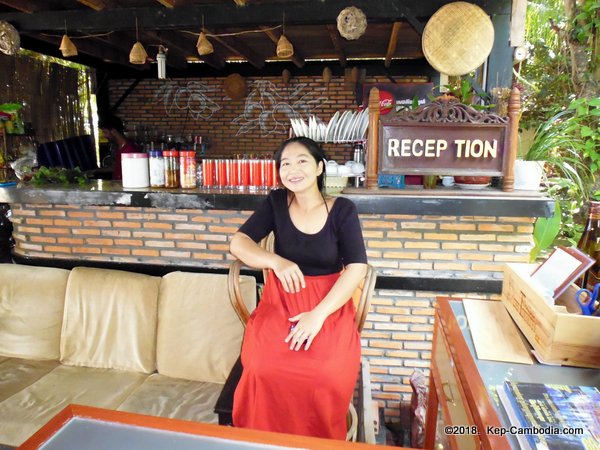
[{"x": 442, "y": 148}]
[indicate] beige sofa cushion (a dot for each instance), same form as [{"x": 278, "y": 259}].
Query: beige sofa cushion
[
  {"x": 110, "y": 320},
  {"x": 16, "y": 374},
  {"x": 199, "y": 334},
  {"x": 25, "y": 412},
  {"x": 31, "y": 310},
  {"x": 175, "y": 398}
]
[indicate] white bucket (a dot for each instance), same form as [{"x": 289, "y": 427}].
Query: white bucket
[{"x": 135, "y": 171}]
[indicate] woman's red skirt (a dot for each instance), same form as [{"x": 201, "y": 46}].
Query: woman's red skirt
[{"x": 304, "y": 392}]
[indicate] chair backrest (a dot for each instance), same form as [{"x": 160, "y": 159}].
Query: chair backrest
[{"x": 361, "y": 297}]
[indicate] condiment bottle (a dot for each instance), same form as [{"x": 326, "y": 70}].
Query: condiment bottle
[
  {"x": 157, "y": 168},
  {"x": 187, "y": 169},
  {"x": 171, "y": 160},
  {"x": 589, "y": 243}
]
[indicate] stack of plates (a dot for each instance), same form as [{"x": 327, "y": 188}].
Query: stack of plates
[{"x": 349, "y": 126}]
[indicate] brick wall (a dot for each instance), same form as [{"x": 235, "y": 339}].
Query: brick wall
[
  {"x": 255, "y": 125},
  {"x": 398, "y": 332}
]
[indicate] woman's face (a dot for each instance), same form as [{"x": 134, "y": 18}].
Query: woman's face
[{"x": 298, "y": 169}]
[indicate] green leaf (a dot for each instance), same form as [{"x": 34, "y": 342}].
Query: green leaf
[
  {"x": 586, "y": 131},
  {"x": 545, "y": 231}
]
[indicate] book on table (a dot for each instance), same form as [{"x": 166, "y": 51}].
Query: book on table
[{"x": 552, "y": 416}]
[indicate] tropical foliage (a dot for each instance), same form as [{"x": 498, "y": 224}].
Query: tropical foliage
[{"x": 561, "y": 101}]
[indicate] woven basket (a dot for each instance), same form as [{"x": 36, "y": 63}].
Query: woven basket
[
  {"x": 204, "y": 46},
  {"x": 458, "y": 38},
  {"x": 335, "y": 185},
  {"x": 351, "y": 23},
  {"x": 67, "y": 48},
  {"x": 138, "y": 54},
  {"x": 285, "y": 49},
  {"x": 10, "y": 41}
]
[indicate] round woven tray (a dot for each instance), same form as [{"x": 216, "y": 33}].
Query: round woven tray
[
  {"x": 235, "y": 86},
  {"x": 458, "y": 38}
]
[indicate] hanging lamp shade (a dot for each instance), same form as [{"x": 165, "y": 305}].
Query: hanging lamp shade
[
  {"x": 285, "y": 49},
  {"x": 67, "y": 48},
  {"x": 204, "y": 46},
  {"x": 138, "y": 54}
]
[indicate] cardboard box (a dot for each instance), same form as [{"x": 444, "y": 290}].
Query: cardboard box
[{"x": 559, "y": 333}]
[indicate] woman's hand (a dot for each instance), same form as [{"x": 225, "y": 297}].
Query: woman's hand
[
  {"x": 305, "y": 329},
  {"x": 289, "y": 274}
]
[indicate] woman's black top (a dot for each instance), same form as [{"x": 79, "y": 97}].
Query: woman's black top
[{"x": 338, "y": 243}]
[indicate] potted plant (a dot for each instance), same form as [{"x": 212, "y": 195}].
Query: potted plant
[{"x": 557, "y": 146}]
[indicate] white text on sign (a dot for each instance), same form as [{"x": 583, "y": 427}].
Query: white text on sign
[{"x": 432, "y": 148}]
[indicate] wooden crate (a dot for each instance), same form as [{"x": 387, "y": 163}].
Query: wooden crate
[{"x": 558, "y": 333}]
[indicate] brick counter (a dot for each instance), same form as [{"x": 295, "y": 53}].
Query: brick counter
[{"x": 418, "y": 256}]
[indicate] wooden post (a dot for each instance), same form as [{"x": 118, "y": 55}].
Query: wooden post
[
  {"x": 373, "y": 140},
  {"x": 514, "y": 115}
]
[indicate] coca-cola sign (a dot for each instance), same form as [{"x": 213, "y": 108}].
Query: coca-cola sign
[
  {"x": 386, "y": 102},
  {"x": 397, "y": 97}
]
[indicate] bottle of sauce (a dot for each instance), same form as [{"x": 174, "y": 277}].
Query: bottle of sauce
[{"x": 589, "y": 243}]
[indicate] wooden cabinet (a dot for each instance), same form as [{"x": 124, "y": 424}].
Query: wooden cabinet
[
  {"x": 463, "y": 411},
  {"x": 457, "y": 390}
]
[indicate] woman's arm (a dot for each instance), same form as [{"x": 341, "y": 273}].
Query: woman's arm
[
  {"x": 309, "y": 324},
  {"x": 253, "y": 255}
]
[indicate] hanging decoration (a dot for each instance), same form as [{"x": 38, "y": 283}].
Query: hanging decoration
[
  {"x": 351, "y": 23},
  {"x": 10, "y": 41},
  {"x": 285, "y": 49},
  {"x": 235, "y": 86},
  {"x": 286, "y": 76},
  {"x": 326, "y": 75},
  {"x": 138, "y": 53},
  {"x": 204, "y": 46},
  {"x": 457, "y": 53},
  {"x": 67, "y": 48}
]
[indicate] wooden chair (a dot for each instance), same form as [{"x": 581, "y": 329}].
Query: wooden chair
[
  {"x": 362, "y": 302},
  {"x": 361, "y": 297}
]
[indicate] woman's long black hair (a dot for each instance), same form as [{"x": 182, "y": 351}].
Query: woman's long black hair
[{"x": 313, "y": 148}]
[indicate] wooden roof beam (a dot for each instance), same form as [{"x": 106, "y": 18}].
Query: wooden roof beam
[
  {"x": 239, "y": 48},
  {"x": 26, "y": 6},
  {"x": 96, "y": 5},
  {"x": 392, "y": 44},
  {"x": 167, "y": 3},
  {"x": 337, "y": 44},
  {"x": 228, "y": 15},
  {"x": 297, "y": 57}
]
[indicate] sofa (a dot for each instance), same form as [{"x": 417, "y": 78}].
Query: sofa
[{"x": 113, "y": 339}]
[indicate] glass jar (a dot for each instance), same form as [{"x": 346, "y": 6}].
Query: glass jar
[
  {"x": 135, "y": 170},
  {"x": 171, "y": 161},
  {"x": 157, "y": 169},
  {"x": 187, "y": 169}
]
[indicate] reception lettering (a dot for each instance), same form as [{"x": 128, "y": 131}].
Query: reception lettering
[{"x": 433, "y": 148}]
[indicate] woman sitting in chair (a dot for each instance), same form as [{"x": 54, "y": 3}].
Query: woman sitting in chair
[{"x": 301, "y": 349}]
